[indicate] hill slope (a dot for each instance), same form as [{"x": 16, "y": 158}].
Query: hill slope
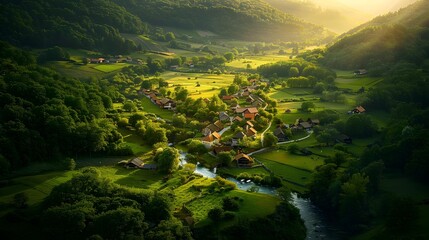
[
  {"x": 399, "y": 36},
  {"x": 243, "y": 19}
]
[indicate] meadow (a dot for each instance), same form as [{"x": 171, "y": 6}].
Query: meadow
[
  {"x": 149, "y": 107},
  {"x": 210, "y": 84}
]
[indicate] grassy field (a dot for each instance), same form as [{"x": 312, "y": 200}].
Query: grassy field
[
  {"x": 236, "y": 171},
  {"x": 149, "y": 107},
  {"x": 134, "y": 141},
  {"x": 107, "y": 68},
  {"x": 308, "y": 163},
  {"x": 255, "y": 61},
  {"x": 210, "y": 84},
  {"x": 74, "y": 70}
]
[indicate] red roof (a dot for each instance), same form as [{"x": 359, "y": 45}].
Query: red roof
[
  {"x": 228, "y": 97},
  {"x": 251, "y": 110}
]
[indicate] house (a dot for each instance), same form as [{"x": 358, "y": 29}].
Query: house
[
  {"x": 135, "y": 163},
  {"x": 360, "y": 72},
  {"x": 227, "y": 98},
  {"x": 359, "y": 110},
  {"x": 223, "y": 116},
  {"x": 236, "y": 138},
  {"x": 153, "y": 98},
  {"x": 217, "y": 150},
  {"x": 314, "y": 122},
  {"x": 243, "y": 160},
  {"x": 250, "y": 113},
  {"x": 213, "y": 137},
  {"x": 97, "y": 60},
  {"x": 250, "y": 99},
  {"x": 281, "y": 136},
  {"x": 167, "y": 103},
  {"x": 306, "y": 125},
  {"x": 258, "y": 103},
  {"x": 214, "y": 127},
  {"x": 288, "y": 111},
  {"x": 342, "y": 138},
  {"x": 237, "y": 119},
  {"x": 251, "y": 132},
  {"x": 249, "y": 124}
]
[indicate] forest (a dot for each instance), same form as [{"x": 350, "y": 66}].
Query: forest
[{"x": 208, "y": 119}]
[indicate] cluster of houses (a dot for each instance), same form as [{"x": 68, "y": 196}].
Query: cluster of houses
[
  {"x": 155, "y": 98},
  {"x": 115, "y": 59}
]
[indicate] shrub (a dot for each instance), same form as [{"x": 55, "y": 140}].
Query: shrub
[{"x": 230, "y": 204}]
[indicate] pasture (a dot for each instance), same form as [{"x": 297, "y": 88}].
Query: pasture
[
  {"x": 209, "y": 84},
  {"x": 308, "y": 163},
  {"x": 255, "y": 61},
  {"x": 107, "y": 68},
  {"x": 149, "y": 107}
]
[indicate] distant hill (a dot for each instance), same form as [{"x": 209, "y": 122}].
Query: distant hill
[
  {"x": 387, "y": 39},
  {"x": 100, "y": 24},
  {"x": 336, "y": 17},
  {"x": 242, "y": 19}
]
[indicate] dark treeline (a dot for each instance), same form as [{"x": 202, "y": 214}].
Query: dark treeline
[
  {"x": 94, "y": 25},
  {"x": 45, "y": 116}
]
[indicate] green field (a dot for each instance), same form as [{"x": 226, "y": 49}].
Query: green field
[
  {"x": 233, "y": 171},
  {"x": 255, "y": 61},
  {"x": 210, "y": 84},
  {"x": 134, "y": 141},
  {"x": 298, "y": 161},
  {"x": 149, "y": 107},
  {"x": 107, "y": 68}
]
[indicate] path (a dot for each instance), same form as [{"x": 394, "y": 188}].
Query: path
[
  {"x": 262, "y": 134},
  {"x": 224, "y": 130}
]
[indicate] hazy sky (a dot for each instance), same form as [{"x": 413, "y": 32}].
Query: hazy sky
[{"x": 373, "y": 7}]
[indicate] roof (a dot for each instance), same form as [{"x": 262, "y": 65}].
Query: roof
[
  {"x": 136, "y": 162},
  {"x": 251, "y": 110},
  {"x": 315, "y": 121},
  {"x": 150, "y": 166},
  {"x": 251, "y": 132},
  {"x": 305, "y": 125},
  {"x": 228, "y": 97},
  {"x": 213, "y": 128},
  {"x": 250, "y": 123},
  {"x": 237, "y": 118},
  {"x": 360, "y": 109},
  {"x": 219, "y": 124},
  {"x": 239, "y": 135},
  {"x": 240, "y": 110},
  {"x": 242, "y": 155},
  {"x": 216, "y": 135},
  {"x": 278, "y": 132},
  {"x": 165, "y": 100},
  {"x": 209, "y": 138}
]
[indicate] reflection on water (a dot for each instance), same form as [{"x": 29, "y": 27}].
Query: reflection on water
[{"x": 317, "y": 226}]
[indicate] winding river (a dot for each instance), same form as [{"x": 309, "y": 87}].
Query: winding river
[{"x": 315, "y": 222}]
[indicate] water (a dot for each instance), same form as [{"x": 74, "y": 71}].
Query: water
[{"x": 315, "y": 222}]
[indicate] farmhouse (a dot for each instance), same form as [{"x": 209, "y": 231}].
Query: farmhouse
[
  {"x": 227, "y": 98},
  {"x": 237, "y": 137},
  {"x": 306, "y": 125},
  {"x": 213, "y": 137},
  {"x": 250, "y": 113},
  {"x": 360, "y": 72},
  {"x": 281, "y": 136},
  {"x": 359, "y": 110},
  {"x": 251, "y": 132},
  {"x": 97, "y": 60},
  {"x": 237, "y": 119},
  {"x": 135, "y": 163},
  {"x": 243, "y": 160},
  {"x": 214, "y": 127},
  {"x": 167, "y": 103},
  {"x": 223, "y": 116}
]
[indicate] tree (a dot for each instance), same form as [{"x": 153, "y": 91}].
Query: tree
[
  {"x": 121, "y": 223},
  {"x": 353, "y": 200},
  {"x": 179, "y": 120},
  {"x": 216, "y": 214},
  {"x": 269, "y": 140},
  {"x": 72, "y": 164},
  {"x": 233, "y": 89},
  {"x": 20, "y": 200},
  {"x": 225, "y": 158},
  {"x": 189, "y": 167},
  {"x": 360, "y": 126},
  {"x": 305, "y": 106},
  {"x": 197, "y": 147},
  {"x": 229, "y": 56},
  {"x": 327, "y": 135},
  {"x": 230, "y": 204},
  {"x": 293, "y": 72},
  {"x": 129, "y": 106},
  {"x": 168, "y": 160},
  {"x": 293, "y": 148},
  {"x": 169, "y": 36}
]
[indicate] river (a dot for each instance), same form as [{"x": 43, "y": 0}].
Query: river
[{"x": 317, "y": 225}]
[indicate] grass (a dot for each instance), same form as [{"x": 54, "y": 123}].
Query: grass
[
  {"x": 149, "y": 107},
  {"x": 75, "y": 70},
  {"x": 236, "y": 171},
  {"x": 256, "y": 61},
  {"x": 308, "y": 163},
  {"x": 107, "y": 68},
  {"x": 134, "y": 141},
  {"x": 210, "y": 84}
]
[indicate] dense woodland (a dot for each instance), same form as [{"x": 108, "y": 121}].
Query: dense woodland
[{"x": 46, "y": 117}]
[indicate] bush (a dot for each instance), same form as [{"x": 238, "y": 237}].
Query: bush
[
  {"x": 229, "y": 215},
  {"x": 230, "y": 204},
  {"x": 20, "y": 200},
  {"x": 216, "y": 214}
]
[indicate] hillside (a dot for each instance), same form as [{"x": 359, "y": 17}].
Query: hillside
[
  {"x": 398, "y": 36},
  {"x": 242, "y": 19}
]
